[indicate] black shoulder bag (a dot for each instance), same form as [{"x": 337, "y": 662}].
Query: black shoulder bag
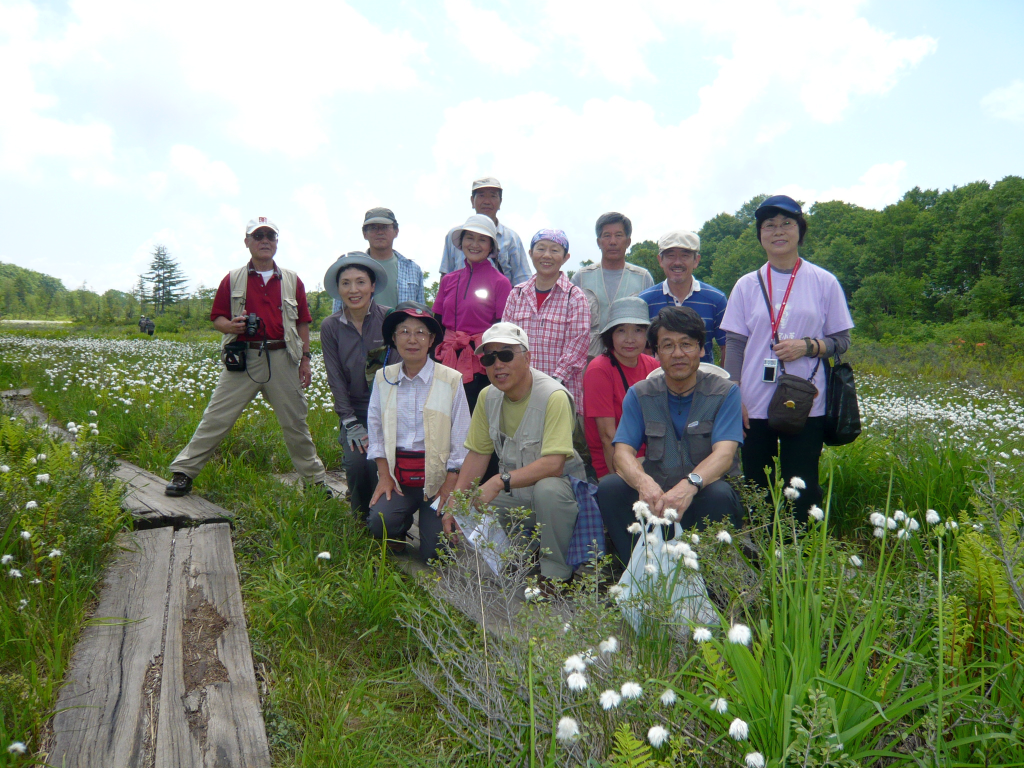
[
  {"x": 794, "y": 396},
  {"x": 842, "y": 412}
]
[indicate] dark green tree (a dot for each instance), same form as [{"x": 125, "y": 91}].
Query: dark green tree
[
  {"x": 164, "y": 282},
  {"x": 645, "y": 254}
]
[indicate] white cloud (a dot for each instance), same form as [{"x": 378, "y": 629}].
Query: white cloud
[
  {"x": 310, "y": 198},
  {"x": 881, "y": 185},
  {"x": 213, "y": 177},
  {"x": 488, "y": 38},
  {"x": 1006, "y": 103}
]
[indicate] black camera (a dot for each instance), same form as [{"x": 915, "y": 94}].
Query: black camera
[{"x": 252, "y": 324}]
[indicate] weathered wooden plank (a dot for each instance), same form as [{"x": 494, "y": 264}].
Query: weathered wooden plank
[
  {"x": 106, "y": 710},
  {"x": 146, "y": 500},
  {"x": 209, "y": 706}
]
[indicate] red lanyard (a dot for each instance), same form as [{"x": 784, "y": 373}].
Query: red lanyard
[{"x": 785, "y": 299}]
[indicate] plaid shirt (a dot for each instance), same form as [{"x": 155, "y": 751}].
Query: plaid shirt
[
  {"x": 410, "y": 282},
  {"x": 587, "y": 540},
  {"x": 511, "y": 261},
  {"x": 559, "y": 332}
]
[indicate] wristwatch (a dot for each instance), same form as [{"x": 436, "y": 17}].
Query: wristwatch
[
  {"x": 696, "y": 480},
  {"x": 506, "y": 478},
  {"x": 308, "y": 354}
]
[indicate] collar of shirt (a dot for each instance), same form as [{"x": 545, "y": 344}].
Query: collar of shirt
[
  {"x": 254, "y": 271},
  {"x": 343, "y": 316},
  {"x": 424, "y": 375},
  {"x": 694, "y": 288}
]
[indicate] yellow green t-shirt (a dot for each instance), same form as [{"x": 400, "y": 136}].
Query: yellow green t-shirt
[{"x": 557, "y": 438}]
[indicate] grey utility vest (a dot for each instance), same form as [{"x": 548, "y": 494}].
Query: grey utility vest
[
  {"x": 522, "y": 448},
  {"x": 669, "y": 460}
]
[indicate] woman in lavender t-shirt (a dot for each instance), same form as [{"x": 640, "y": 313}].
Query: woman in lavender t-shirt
[{"x": 815, "y": 322}]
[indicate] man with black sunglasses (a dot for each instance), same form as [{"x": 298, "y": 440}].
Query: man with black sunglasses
[
  {"x": 273, "y": 358},
  {"x": 527, "y": 418}
]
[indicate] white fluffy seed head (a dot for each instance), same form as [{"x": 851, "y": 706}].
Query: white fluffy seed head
[
  {"x": 739, "y": 634},
  {"x": 724, "y": 537},
  {"x": 691, "y": 562},
  {"x": 701, "y": 635},
  {"x": 791, "y": 493},
  {"x": 798, "y": 483},
  {"x": 720, "y": 705},
  {"x": 668, "y": 698},
  {"x": 568, "y": 730},
  {"x": 576, "y": 682},
  {"x": 631, "y": 690},
  {"x": 738, "y": 729},
  {"x": 573, "y": 664},
  {"x": 754, "y": 760},
  {"x": 611, "y": 645},
  {"x": 657, "y": 736},
  {"x": 816, "y": 512},
  {"x": 932, "y": 517},
  {"x": 610, "y": 700},
  {"x": 877, "y": 519}
]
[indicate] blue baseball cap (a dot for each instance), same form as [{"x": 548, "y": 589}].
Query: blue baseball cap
[{"x": 777, "y": 202}]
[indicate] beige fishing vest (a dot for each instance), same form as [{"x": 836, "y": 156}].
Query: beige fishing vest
[
  {"x": 437, "y": 422},
  {"x": 289, "y": 308},
  {"x": 525, "y": 446}
]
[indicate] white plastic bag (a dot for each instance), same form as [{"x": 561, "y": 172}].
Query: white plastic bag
[
  {"x": 485, "y": 534},
  {"x": 671, "y": 581}
]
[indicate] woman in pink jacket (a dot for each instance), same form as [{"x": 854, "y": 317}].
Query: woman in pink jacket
[{"x": 469, "y": 301}]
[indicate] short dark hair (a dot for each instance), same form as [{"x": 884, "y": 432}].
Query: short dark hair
[
  {"x": 614, "y": 218},
  {"x": 369, "y": 272},
  {"x": 801, "y": 222},
  {"x": 678, "y": 320},
  {"x": 494, "y": 245}
]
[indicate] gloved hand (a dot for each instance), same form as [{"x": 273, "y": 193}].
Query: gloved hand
[{"x": 356, "y": 437}]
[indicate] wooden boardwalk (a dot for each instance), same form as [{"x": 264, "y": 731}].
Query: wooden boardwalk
[{"x": 162, "y": 676}]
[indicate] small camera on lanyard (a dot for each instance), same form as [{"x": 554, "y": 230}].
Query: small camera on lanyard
[
  {"x": 771, "y": 370},
  {"x": 252, "y": 324}
]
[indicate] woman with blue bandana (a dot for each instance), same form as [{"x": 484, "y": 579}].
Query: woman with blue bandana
[{"x": 554, "y": 313}]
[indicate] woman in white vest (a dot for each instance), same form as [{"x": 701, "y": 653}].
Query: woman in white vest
[{"x": 418, "y": 421}]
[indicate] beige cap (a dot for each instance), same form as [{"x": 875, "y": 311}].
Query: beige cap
[
  {"x": 679, "y": 238},
  {"x": 504, "y": 333},
  {"x": 485, "y": 183}
]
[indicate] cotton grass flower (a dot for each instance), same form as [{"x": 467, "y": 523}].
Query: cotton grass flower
[
  {"x": 657, "y": 736},
  {"x": 4, "y": 468},
  {"x": 701, "y": 635},
  {"x": 531, "y": 593},
  {"x": 641, "y": 511},
  {"x": 913, "y": 525},
  {"x": 611, "y": 645},
  {"x": 668, "y": 698},
  {"x": 879, "y": 533},
  {"x": 739, "y": 634},
  {"x": 695, "y": 539},
  {"x": 877, "y": 519},
  {"x": 651, "y": 568},
  {"x": 791, "y": 493},
  {"x": 691, "y": 562},
  {"x": 573, "y": 664},
  {"x": 566, "y": 627},
  {"x": 635, "y": 528},
  {"x": 899, "y": 515},
  {"x": 26, "y": 536},
  {"x": 855, "y": 561},
  {"x": 816, "y": 512},
  {"x": 615, "y": 591},
  {"x": 324, "y": 556},
  {"x": 671, "y": 516},
  {"x": 55, "y": 553},
  {"x": 576, "y": 682},
  {"x": 902, "y": 533},
  {"x": 631, "y": 691},
  {"x": 42, "y": 479},
  {"x": 890, "y": 523},
  {"x": 720, "y": 705},
  {"x": 754, "y": 760},
  {"x": 932, "y": 517},
  {"x": 17, "y": 748},
  {"x": 798, "y": 483},
  {"x": 35, "y": 581},
  {"x": 93, "y": 413},
  {"x": 6, "y": 559},
  {"x": 14, "y": 573},
  {"x": 738, "y": 729},
  {"x": 951, "y": 525},
  {"x": 610, "y": 700},
  {"x": 568, "y": 730},
  {"x": 31, "y": 505},
  {"x": 22, "y": 604},
  {"x": 724, "y": 537},
  {"x": 651, "y": 539},
  {"x": 40, "y": 457}
]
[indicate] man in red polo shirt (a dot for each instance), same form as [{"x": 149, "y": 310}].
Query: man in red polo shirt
[{"x": 276, "y": 360}]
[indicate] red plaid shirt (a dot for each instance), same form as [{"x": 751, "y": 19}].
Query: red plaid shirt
[{"x": 559, "y": 331}]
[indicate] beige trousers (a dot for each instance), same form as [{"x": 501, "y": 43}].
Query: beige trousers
[
  {"x": 554, "y": 508},
  {"x": 234, "y": 391}
]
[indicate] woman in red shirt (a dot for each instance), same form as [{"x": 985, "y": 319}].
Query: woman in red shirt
[{"x": 608, "y": 376}]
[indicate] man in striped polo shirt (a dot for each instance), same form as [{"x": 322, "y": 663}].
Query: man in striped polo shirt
[{"x": 679, "y": 255}]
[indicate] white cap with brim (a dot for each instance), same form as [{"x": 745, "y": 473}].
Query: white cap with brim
[
  {"x": 504, "y": 333},
  {"x": 353, "y": 259},
  {"x": 258, "y": 222},
  {"x": 679, "y": 238},
  {"x": 629, "y": 309},
  {"x": 482, "y": 225},
  {"x": 488, "y": 182}
]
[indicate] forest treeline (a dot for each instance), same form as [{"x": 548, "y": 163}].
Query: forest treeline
[{"x": 933, "y": 258}]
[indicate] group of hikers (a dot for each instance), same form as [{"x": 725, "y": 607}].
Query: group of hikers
[{"x": 568, "y": 398}]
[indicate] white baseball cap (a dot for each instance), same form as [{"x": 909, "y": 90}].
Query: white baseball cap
[
  {"x": 504, "y": 333},
  {"x": 679, "y": 238},
  {"x": 488, "y": 182},
  {"x": 260, "y": 221}
]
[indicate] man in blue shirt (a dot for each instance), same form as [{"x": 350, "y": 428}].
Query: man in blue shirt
[
  {"x": 679, "y": 255},
  {"x": 691, "y": 424}
]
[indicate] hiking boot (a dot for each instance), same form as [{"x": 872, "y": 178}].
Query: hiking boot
[
  {"x": 326, "y": 489},
  {"x": 552, "y": 587},
  {"x": 180, "y": 485}
]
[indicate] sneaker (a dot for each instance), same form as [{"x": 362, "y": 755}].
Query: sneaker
[{"x": 180, "y": 485}]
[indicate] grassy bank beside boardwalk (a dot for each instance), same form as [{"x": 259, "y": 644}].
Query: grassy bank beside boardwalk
[{"x": 361, "y": 667}]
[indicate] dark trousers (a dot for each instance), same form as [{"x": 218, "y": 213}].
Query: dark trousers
[
  {"x": 395, "y": 519},
  {"x": 716, "y": 502},
  {"x": 360, "y": 474},
  {"x": 798, "y": 457}
]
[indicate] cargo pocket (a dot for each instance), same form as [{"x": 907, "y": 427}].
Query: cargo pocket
[
  {"x": 290, "y": 309},
  {"x": 654, "y": 435},
  {"x": 698, "y": 440}
]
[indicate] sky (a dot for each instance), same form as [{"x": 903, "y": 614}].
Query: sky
[{"x": 125, "y": 124}]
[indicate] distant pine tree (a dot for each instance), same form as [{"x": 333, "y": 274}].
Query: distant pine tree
[{"x": 164, "y": 282}]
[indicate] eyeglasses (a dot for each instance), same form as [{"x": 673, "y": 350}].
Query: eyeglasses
[
  {"x": 261, "y": 234},
  {"x": 687, "y": 347},
  {"x": 787, "y": 225},
  {"x": 505, "y": 355},
  {"x": 377, "y": 227},
  {"x": 405, "y": 334}
]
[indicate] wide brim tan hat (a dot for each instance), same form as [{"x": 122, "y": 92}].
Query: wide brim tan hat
[
  {"x": 629, "y": 309},
  {"x": 482, "y": 225},
  {"x": 354, "y": 259}
]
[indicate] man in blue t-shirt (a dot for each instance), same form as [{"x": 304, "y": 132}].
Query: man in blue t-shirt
[
  {"x": 692, "y": 425},
  {"x": 679, "y": 255}
]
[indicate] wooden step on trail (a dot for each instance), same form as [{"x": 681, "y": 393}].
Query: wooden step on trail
[{"x": 150, "y": 507}]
